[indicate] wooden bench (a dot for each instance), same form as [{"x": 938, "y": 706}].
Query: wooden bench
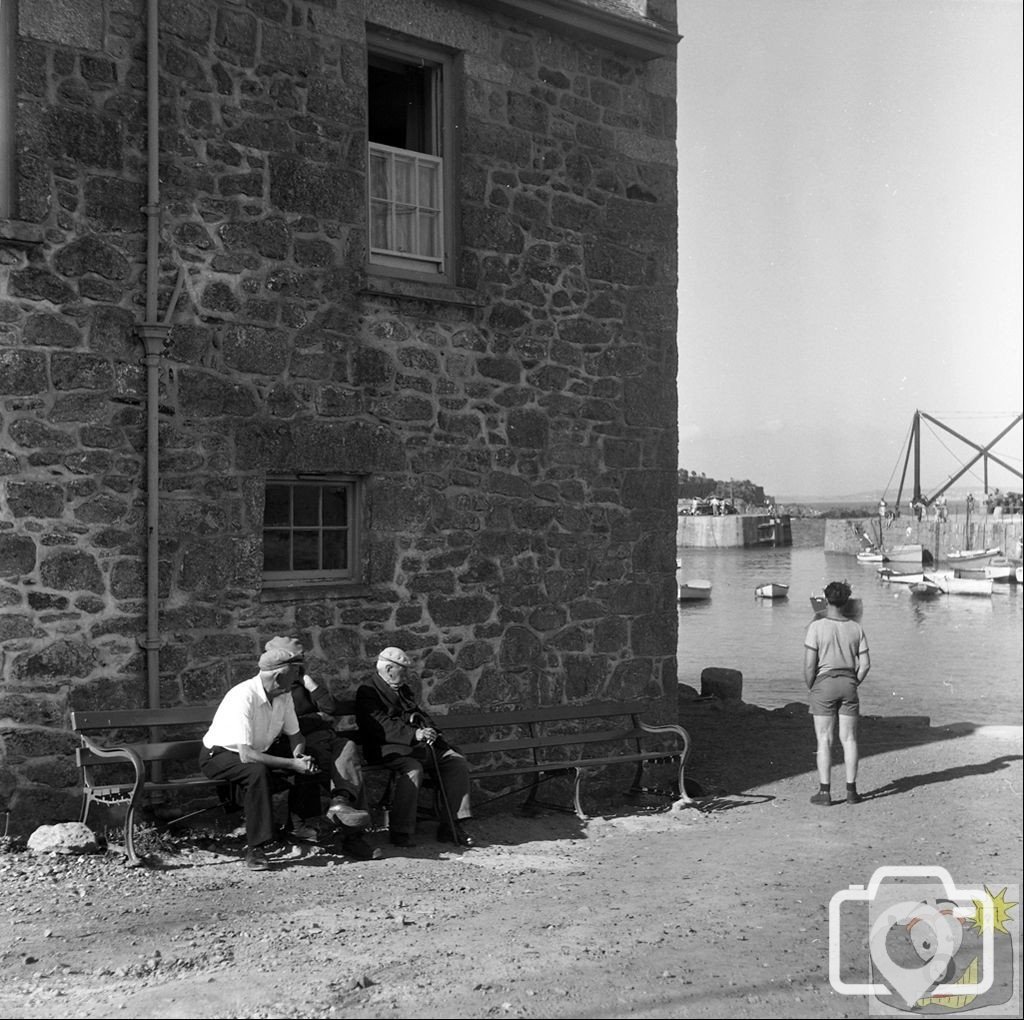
[
  {"x": 541, "y": 744},
  {"x": 158, "y": 750}
]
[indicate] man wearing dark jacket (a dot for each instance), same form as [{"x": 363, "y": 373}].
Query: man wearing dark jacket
[{"x": 400, "y": 735}]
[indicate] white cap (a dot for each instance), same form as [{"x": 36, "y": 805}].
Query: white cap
[{"x": 394, "y": 655}]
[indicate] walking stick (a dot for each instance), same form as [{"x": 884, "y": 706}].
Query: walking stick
[
  {"x": 452, "y": 826},
  {"x": 417, "y": 719}
]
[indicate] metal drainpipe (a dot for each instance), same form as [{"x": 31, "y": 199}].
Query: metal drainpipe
[{"x": 154, "y": 337}]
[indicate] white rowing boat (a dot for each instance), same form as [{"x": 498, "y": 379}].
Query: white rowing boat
[
  {"x": 773, "y": 590},
  {"x": 690, "y": 591}
]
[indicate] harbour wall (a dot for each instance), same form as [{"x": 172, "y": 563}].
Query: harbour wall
[
  {"x": 939, "y": 538},
  {"x": 733, "y": 531}
]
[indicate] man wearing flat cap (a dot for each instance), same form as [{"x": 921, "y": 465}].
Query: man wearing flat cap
[
  {"x": 253, "y": 739},
  {"x": 336, "y": 754},
  {"x": 400, "y": 735}
]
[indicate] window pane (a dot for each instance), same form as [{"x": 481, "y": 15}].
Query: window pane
[
  {"x": 276, "y": 550},
  {"x": 335, "y": 550},
  {"x": 398, "y": 94},
  {"x": 404, "y": 226},
  {"x": 276, "y": 505},
  {"x": 379, "y": 187},
  {"x": 427, "y": 184},
  {"x": 306, "y": 505},
  {"x": 379, "y": 222},
  {"x": 404, "y": 171},
  {"x": 430, "y": 244},
  {"x": 335, "y": 507},
  {"x": 305, "y": 550}
]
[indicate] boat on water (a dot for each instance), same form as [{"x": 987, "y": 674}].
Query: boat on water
[
  {"x": 999, "y": 568},
  {"x": 950, "y": 584},
  {"x": 900, "y": 576},
  {"x": 965, "y": 555},
  {"x": 965, "y": 585},
  {"x": 871, "y": 556},
  {"x": 853, "y": 610},
  {"x": 773, "y": 590},
  {"x": 692, "y": 590}
]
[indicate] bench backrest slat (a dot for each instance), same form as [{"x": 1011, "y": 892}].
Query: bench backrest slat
[
  {"x": 125, "y": 718},
  {"x": 547, "y": 740},
  {"x": 178, "y": 750},
  {"x": 553, "y": 713}
]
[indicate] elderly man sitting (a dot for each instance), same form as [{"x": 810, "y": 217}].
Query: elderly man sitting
[
  {"x": 254, "y": 737},
  {"x": 400, "y": 735}
]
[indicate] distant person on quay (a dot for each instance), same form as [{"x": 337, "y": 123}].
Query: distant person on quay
[{"x": 836, "y": 661}]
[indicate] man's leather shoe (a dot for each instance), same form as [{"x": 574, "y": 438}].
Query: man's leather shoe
[
  {"x": 256, "y": 860},
  {"x": 343, "y": 812},
  {"x": 401, "y": 839}
]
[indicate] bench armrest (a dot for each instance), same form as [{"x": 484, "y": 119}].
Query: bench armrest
[
  {"x": 669, "y": 728},
  {"x": 125, "y": 754}
]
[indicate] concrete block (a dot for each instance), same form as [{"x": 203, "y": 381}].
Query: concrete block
[{"x": 721, "y": 682}]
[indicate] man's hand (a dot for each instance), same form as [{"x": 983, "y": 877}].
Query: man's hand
[
  {"x": 426, "y": 735},
  {"x": 303, "y": 763},
  {"x": 309, "y": 683}
]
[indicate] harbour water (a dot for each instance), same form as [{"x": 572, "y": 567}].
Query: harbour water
[{"x": 954, "y": 659}]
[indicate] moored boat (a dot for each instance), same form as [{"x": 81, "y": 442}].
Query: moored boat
[
  {"x": 773, "y": 590},
  {"x": 692, "y": 590},
  {"x": 925, "y": 588},
  {"x": 952, "y": 585},
  {"x": 853, "y": 610},
  {"x": 997, "y": 569},
  {"x": 899, "y": 576},
  {"x": 871, "y": 556},
  {"x": 965, "y": 555}
]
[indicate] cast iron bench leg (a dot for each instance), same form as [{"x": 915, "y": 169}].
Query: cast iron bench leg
[{"x": 577, "y": 782}]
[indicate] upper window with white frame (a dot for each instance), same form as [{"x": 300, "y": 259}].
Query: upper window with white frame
[
  {"x": 409, "y": 173},
  {"x": 311, "y": 530}
]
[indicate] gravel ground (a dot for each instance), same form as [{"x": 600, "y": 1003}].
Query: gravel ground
[{"x": 720, "y": 910}]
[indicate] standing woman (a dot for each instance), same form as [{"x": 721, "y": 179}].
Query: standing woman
[{"x": 836, "y": 661}]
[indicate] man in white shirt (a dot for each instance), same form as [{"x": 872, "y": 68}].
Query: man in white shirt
[{"x": 253, "y": 738}]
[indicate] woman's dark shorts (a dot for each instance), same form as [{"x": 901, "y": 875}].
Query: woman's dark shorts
[{"x": 834, "y": 695}]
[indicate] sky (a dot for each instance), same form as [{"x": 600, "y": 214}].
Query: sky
[{"x": 850, "y": 239}]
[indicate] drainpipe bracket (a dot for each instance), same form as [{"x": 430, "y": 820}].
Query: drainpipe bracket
[
  {"x": 150, "y": 644},
  {"x": 154, "y": 336}
]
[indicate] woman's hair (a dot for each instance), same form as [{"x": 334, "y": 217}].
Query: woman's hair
[{"x": 837, "y": 593}]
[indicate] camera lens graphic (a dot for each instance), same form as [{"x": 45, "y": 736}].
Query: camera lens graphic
[{"x": 931, "y": 937}]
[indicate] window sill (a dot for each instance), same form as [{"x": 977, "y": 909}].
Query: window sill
[
  {"x": 20, "y": 234},
  {"x": 286, "y": 591},
  {"x": 403, "y": 289}
]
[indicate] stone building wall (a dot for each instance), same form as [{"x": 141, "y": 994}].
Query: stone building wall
[{"x": 514, "y": 430}]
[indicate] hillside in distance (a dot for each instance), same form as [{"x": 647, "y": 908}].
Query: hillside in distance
[{"x": 697, "y": 485}]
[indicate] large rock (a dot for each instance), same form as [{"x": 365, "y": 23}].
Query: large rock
[{"x": 63, "y": 838}]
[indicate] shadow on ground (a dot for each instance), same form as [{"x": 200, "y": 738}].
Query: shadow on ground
[{"x": 738, "y": 747}]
